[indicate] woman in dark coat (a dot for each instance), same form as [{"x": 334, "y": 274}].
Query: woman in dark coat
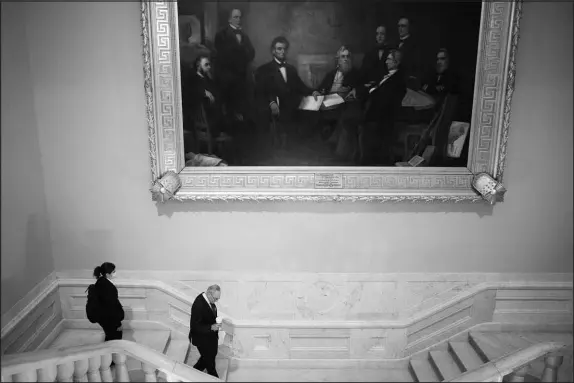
[{"x": 112, "y": 312}]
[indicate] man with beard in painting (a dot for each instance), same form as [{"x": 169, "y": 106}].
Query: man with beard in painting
[
  {"x": 279, "y": 86},
  {"x": 339, "y": 123},
  {"x": 201, "y": 90}
]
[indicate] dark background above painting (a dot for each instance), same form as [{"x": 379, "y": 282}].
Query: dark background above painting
[{"x": 321, "y": 27}]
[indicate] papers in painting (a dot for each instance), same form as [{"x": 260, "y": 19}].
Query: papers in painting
[{"x": 309, "y": 103}]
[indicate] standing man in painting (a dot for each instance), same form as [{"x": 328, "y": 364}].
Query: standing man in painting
[
  {"x": 279, "y": 85},
  {"x": 235, "y": 52},
  {"x": 203, "y": 329},
  {"x": 374, "y": 67},
  {"x": 411, "y": 58}
]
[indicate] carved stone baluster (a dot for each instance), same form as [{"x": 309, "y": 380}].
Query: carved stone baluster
[
  {"x": 551, "y": 364},
  {"x": 47, "y": 374},
  {"x": 80, "y": 371},
  {"x": 65, "y": 372},
  {"x": 94, "y": 369},
  {"x": 122, "y": 374},
  {"x": 149, "y": 372},
  {"x": 519, "y": 374},
  {"x": 26, "y": 376},
  {"x": 105, "y": 372}
]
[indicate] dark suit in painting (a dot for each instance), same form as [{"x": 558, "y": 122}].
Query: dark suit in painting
[
  {"x": 272, "y": 87},
  {"x": 194, "y": 97},
  {"x": 373, "y": 67},
  {"x": 234, "y": 53},
  {"x": 203, "y": 315},
  {"x": 381, "y": 108},
  {"x": 411, "y": 61}
]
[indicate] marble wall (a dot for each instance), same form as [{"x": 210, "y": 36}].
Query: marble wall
[
  {"x": 335, "y": 316},
  {"x": 326, "y": 297}
]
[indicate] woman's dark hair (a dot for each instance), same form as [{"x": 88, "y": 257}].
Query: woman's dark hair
[{"x": 105, "y": 268}]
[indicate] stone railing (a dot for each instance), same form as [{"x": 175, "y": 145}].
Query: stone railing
[
  {"x": 516, "y": 365},
  {"x": 93, "y": 363}
]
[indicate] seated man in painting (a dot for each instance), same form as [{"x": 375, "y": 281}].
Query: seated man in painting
[
  {"x": 339, "y": 122},
  {"x": 443, "y": 80},
  {"x": 201, "y": 91},
  {"x": 377, "y": 135},
  {"x": 281, "y": 89}
]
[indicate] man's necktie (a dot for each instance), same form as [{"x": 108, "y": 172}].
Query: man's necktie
[{"x": 214, "y": 309}]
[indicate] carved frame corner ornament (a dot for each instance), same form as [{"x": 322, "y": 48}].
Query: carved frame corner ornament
[
  {"x": 165, "y": 187},
  {"x": 490, "y": 125},
  {"x": 490, "y": 190}
]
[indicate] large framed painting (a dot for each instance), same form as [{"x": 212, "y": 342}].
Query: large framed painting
[{"x": 326, "y": 100}]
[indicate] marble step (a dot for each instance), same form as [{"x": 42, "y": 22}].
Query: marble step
[
  {"x": 177, "y": 350},
  {"x": 465, "y": 356},
  {"x": 423, "y": 371},
  {"x": 444, "y": 365},
  {"x": 221, "y": 361},
  {"x": 489, "y": 348}
]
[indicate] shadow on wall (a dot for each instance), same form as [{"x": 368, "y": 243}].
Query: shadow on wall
[
  {"x": 170, "y": 207},
  {"x": 37, "y": 263}
]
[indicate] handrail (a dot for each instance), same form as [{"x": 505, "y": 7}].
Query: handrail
[
  {"x": 495, "y": 370},
  {"x": 236, "y": 323},
  {"x": 18, "y": 363}
]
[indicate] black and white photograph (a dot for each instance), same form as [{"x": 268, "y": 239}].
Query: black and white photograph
[{"x": 326, "y": 83}]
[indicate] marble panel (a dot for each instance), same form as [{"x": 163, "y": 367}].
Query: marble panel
[
  {"x": 261, "y": 343},
  {"x": 377, "y": 343}
]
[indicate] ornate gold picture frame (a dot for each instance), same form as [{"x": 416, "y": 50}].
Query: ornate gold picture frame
[{"x": 494, "y": 84}]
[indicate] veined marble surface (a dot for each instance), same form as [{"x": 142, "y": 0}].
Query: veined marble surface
[{"x": 325, "y": 296}]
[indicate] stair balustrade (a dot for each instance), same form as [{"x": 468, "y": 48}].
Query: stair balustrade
[
  {"x": 93, "y": 363},
  {"x": 515, "y": 366}
]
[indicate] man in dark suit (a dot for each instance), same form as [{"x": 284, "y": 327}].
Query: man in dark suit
[
  {"x": 411, "y": 56},
  {"x": 383, "y": 103},
  {"x": 280, "y": 87},
  {"x": 204, "y": 329},
  {"x": 199, "y": 89},
  {"x": 373, "y": 67},
  {"x": 234, "y": 53},
  {"x": 443, "y": 80}
]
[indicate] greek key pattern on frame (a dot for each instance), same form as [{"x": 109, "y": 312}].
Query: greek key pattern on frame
[{"x": 307, "y": 181}]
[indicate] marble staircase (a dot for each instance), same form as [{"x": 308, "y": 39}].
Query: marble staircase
[
  {"x": 446, "y": 361},
  {"x": 175, "y": 348},
  {"x": 469, "y": 351}
]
